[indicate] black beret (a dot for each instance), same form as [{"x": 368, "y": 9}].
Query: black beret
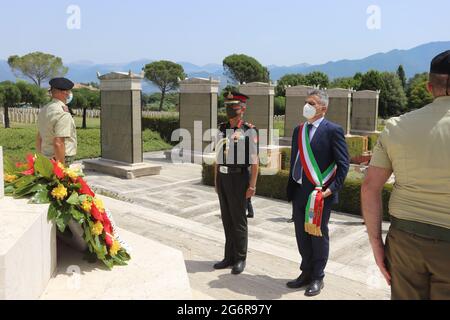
[
  {"x": 441, "y": 63},
  {"x": 61, "y": 84}
]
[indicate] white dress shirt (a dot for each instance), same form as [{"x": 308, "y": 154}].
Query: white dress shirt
[{"x": 316, "y": 125}]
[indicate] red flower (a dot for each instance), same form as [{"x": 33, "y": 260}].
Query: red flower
[
  {"x": 108, "y": 230},
  {"x": 96, "y": 213},
  {"x": 84, "y": 187},
  {"x": 57, "y": 170},
  {"x": 30, "y": 163}
]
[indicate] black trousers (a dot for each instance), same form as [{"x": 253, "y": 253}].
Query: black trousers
[
  {"x": 232, "y": 189},
  {"x": 313, "y": 250}
]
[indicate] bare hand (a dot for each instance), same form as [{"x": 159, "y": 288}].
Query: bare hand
[
  {"x": 250, "y": 193},
  {"x": 327, "y": 193},
  {"x": 378, "y": 252}
]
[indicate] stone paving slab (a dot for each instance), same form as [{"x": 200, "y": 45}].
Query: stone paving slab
[{"x": 177, "y": 210}]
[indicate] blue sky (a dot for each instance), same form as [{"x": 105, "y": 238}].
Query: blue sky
[{"x": 281, "y": 32}]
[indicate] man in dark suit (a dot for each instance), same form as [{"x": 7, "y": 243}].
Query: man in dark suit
[{"x": 319, "y": 166}]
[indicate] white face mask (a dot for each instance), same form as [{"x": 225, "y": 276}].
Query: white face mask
[
  {"x": 309, "y": 111},
  {"x": 69, "y": 98}
]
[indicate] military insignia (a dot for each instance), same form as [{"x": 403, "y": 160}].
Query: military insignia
[
  {"x": 237, "y": 136},
  {"x": 230, "y": 96}
]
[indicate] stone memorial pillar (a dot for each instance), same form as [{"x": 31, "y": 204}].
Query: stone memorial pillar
[
  {"x": 340, "y": 107},
  {"x": 198, "y": 113},
  {"x": 260, "y": 107},
  {"x": 121, "y": 128},
  {"x": 260, "y": 110},
  {"x": 365, "y": 112},
  {"x": 295, "y": 101}
]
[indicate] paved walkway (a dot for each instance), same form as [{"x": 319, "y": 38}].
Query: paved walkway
[{"x": 174, "y": 208}]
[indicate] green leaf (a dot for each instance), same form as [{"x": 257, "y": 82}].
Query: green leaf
[
  {"x": 9, "y": 166},
  {"x": 73, "y": 199},
  {"x": 87, "y": 233},
  {"x": 108, "y": 262},
  {"x": 43, "y": 166},
  {"x": 52, "y": 212},
  {"x": 29, "y": 189},
  {"x": 60, "y": 223},
  {"x": 9, "y": 190},
  {"x": 24, "y": 181},
  {"x": 77, "y": 215},
  {"x": 41, "y": 197},
  {"x": 62, "y": 220},
  {"x": 118, "y": 261}
]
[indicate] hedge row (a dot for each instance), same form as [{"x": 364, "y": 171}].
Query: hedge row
[
  {"x": 275, "y": 187},
  {"x": 164, "y": 126}
]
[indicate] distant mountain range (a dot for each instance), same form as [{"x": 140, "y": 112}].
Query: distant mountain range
[{"x": 414, "y": 60}]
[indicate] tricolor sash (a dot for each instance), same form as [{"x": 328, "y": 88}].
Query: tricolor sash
[{"x": 314, "y": 207}]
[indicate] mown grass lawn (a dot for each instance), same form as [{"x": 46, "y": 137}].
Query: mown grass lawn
[{"x": 20, "y": 139}]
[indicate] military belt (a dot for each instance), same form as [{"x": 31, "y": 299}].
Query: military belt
[{"x": 421, "y": 229}]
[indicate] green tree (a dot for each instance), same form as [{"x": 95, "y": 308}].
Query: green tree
[
  {"x": 165, "y": 75},
  {"x": 37, "y": 66},
  {"x": 279, "y": 106},
  {"x": 346, "y": 83},
  {"x": 417, "y": 91},
  {"x": 11, "y": 98},
  {"x": 373, "y": 80},
  {"x": 394, "y": 98},
  {"x": 85, "y": 99},
  {"x": 402, "y": 76},
  {"x": 317, "y": 78},
  {"x": 31, "y": 94},
  {"x": 291, "y": 79},
  {"x": 242, "y": 68}
]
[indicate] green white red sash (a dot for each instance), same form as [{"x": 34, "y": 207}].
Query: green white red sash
[{"x": 314, "y": 207}]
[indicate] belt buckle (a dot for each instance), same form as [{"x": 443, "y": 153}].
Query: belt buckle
[{"x": 223, "y": 170}]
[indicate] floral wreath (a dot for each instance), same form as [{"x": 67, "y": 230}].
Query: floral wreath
[{"x": 70, "y": 197}]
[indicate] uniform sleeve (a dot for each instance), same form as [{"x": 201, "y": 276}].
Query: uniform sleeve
[
  {"x": 380, "y": 157},
  {"x": 63, "y": 125},
  {"x": 253, "y": 136}
]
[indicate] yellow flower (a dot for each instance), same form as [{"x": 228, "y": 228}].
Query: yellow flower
[
  {"x": 86, "y": 206},
  {"x": 97, "y": 228},
  {"x": 10, "y": 178},
  {"x": 114, "y": 248},
  {"x": 99, "y": 204},
  {"x": 60, "y": 192},
  {"x": 72, "y": 174}
]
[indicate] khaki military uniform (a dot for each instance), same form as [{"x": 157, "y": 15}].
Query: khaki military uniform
[
  {"x": 54, "y": 122},
  {"x": 416, "y": 147}
]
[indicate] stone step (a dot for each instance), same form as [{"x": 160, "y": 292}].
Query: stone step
[
  {"x": 270, "y": 265},
  {"x": 156, "y": 272}
]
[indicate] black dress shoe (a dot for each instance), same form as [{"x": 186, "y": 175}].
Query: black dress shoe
[
  {"x": 314, "y": 288},
  {"x": 301, "y": 281},
  {"x": 250, "y": 215},
  {"x": 238, "y": 267},
  {"x": 223, "y": 264}
]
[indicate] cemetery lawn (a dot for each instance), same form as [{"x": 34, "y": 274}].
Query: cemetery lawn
[{"x": 20, "y": 140}]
